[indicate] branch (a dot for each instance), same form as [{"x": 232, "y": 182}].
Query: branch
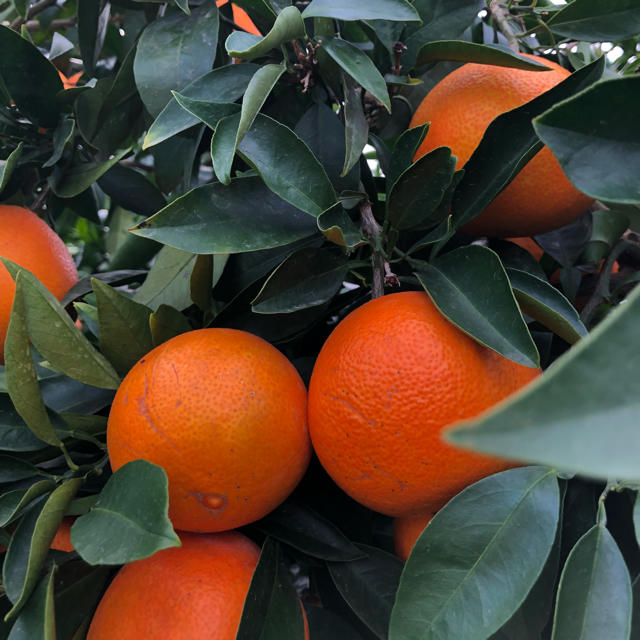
[
  {"x": 34, "y": 9},
  {"x": 500, "y": 17},
  {"x": 382, "y": 273}
]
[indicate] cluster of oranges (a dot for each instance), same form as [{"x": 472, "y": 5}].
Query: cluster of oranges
[{"x": 229, "y": 419}]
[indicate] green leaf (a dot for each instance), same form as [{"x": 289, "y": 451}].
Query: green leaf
[
  {"x": 93, "y": 20},
  {"x": 59, "y": 46},
  {"x": 508, "y": 143},
  {"x": 30, "y": 544},
  {"x": 172, "y": 52},
  {"x": 57, "y": 338},
  {"x": 223, "y": 147},
  {"x": 214, "y": 218},
  {"x": 581, "y": 414},
  {"x": 37, "y": 619},
  {"x": 636, "y": 517},
  {"x": 470, "y": 287},
  {"x": 302, "y": 528},
  {"x": 288, "y": 26},
  {"x": 223, "y": 86},
  {"x": 125, "y": 336},
  {"x": 399, "y": 10},
  {"x": 12, "y": 502},
  {"x": 36, "y": 98},
  {"x": 369, "y": 586},
  {"x": 201, "y": 282},
  {"x": 130, "y": 519},
  {"x": 459, "y": 581},
  {"x": 8, "y": 166},
  {"x": 307, "y": 278},
  {"x": 168, "y": 280},
  {"x": 461, "y": 51},
  {"x": 415, "y": 197},
  {"x": 336, "y": 225},
  {"x": 62, "y": 136},
  {"x": 303, "y": 183},
  {"x": 594, "y": 594},
  {"x": 359, "y": 66},
  {"x": 131, "y": 190},
  {"x": 166, "y": 323},
  {"x": 543, "y": 302},
  {"x": 271, "y": 610},
  {"x": 356, "y": 126},
  {"x": 403, "y": 152},
  {"x": 15, "y": 469},
  {"x": 598, "y": 124},
  {"x": 208, "y": 112},
  {"x": 592, "y": 21}
]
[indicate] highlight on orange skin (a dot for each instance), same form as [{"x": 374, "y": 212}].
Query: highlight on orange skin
[{"x": 241, "y": 18}]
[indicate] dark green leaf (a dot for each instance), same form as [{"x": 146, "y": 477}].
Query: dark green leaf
[
  {"x": 593, "y": 21},
  {"x": 36, "y": 98},
  {"x": 14, "y": 469},
  {"x": 172, "y": 52},
  {"x": 124, "y": 327},
  {"x": 288, "y": 26},
  {"x": 131, "y": 190},
  {"x": 470, "y": 287},
  {"x": 224, "y": 85},
  {"x": 271, "y": 610},
  {"x": 636, "y": 517},
  {"x": 337, "y": 226},
  {"x": 166, "y": 323},
  {"x": 325, "y": 625},
  {"x": 359, "y": 66},
  {"x": 201, "y": 282},
  {"x": 62, "y": 136},
  {"x": 581, "y": 414},
  {"x": 399, "y": 10},
  {"x": 543, "y": 302},
  {"x": 130, "y": 519},
  {"x": 12, "y": 502},
  {"x": 37, "y": 619},
  {"x": 415, "y": 197},
  {"x": 369, "y": 586},
  {"x": 208, "y": 112},
  {"x": 307, "y": 278},
  {"x": 594, "y": 595},
  {"x": 459, "y": 581},
  {"x": 7, "y": 166},
  {"x": 608, "y": 226},
  {"x": 508, "y": 143},
  {"x": 223, "y": 147},
  {"x": 403, "y": 152},
  {"x": 93, "y": 19},
  {"x": 599, "y": 124},
  {"x": 356, "y": 126}
]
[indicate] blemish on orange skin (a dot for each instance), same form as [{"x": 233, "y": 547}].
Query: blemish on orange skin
[{"x": 214, "y": 501}]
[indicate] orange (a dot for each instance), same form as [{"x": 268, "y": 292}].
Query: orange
[
  {"x": 193, "y": 592},
  {"x": 62, "y": 539},
  {"x": 71, "y": 81},
  {"x": 530, "y": 245},
  {"x": 406, "y": 531},
  {"x": 28, "y": 241},
  {"x": 224, "y": 413},
  {"x": 390, "y": 377},
  {"x": 461, "y": 106},
  {"x": 241, "y": 18}
]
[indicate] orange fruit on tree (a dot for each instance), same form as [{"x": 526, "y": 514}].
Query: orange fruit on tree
[
  {"x": 241, "y": 18},
  {"x": 390, "y": 377},
  {"x": 461, "y": 106},
  {"x": 224, "y": 413},
  {"x": 530, "y": 245},
  {"x": 28, "y": 241},
  {"x": 407, "y": 529}
]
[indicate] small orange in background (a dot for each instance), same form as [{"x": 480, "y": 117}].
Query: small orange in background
[
  {"x": 241, "y": 18},
  {"x": 224, "y": 413},
  {"x": 28, "y": 241},
  {"x": 460, "y": 108},
  {"x": 407, "y": 529},
  {"x": 71, "y": 81},
  {"x": 388, "y": 380}
]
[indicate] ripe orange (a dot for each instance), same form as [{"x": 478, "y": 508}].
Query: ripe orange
[
  {"x": 28, "y": 241},
  {"x": 461, "y": 106},
  {"x": 62, "y": 539},
  {"x": 406, "y": 530},
  {"x": 71, "y": 81},
  {"x": 196, "y": 591},
  {"x": 392, "y": 375},
  {"x": 241, "y": 18},
  {"x": 224, "y": 412}
]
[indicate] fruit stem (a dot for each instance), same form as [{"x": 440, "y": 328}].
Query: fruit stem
[{"x": 500, "y": 17}]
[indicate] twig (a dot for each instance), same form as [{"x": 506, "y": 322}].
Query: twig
[
  {"x": 500, "y": 16},
  {"x": 34, "y": 9},
  {"x": 382, "y": 273},
  {"x": 54, "y": 25}
]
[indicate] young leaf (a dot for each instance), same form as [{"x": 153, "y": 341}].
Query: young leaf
[
  {"x": 581, "y": 414},
  {"x": 8, "y": 166},
  {"x": 469, "y": 584},
  {"x": 470, "y": 287},
  {"x": 399, "y": 10},
  {"x": 583, "y": 127},
  {"x": 592, "y": 21},
  {"x": 130, "y": 519},
  {"x": 37, "y": 619},
  {"x": 356, "y": 126},
  {"x": 594, "y": 594}
]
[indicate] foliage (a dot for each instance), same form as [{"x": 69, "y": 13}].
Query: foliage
[{"x": 205, "y": 176}]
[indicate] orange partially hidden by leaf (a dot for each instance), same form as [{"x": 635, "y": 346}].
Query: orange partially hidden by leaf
[
  {"x": 241, "y": 18},
  {"x": 62, "y": 539},
  {"x": 406, "y": 531},
  {"x": 71, "y": 81}
]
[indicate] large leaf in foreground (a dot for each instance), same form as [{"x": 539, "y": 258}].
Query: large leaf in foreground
[
  {"x": 580, "y": 415},
  {"x": 467, "y": 585},
  {"x": 130, "y": 519},
  {"x": 599, "y": 124}
]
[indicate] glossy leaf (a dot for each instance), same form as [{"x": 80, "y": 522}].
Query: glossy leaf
[
  {"x": 130, "y": 519},
  {"x": 8, "y": 166},
  {"x": 288, "y": 26},
  {"x": 62, "y": 137},
  {"x": 336, "y": 225},
  {"x": 468, "y": 584},
  {"x": 543, "y": 302},
  {"x": 12, "y": 502},
  {"x": 400, "y": 10},
  {"x": 37, "y": 619},
  {"x": 592, "y": 21},
  {"x": 580, "y": 415},
  {"x": 172, "y": 52},
  {"x": 166, "y": 323},
  {"x": 356, "y": 126},
  {"x": 359, "y": 66},
  {"x": 124, "y": 327},
  {"x": 200, "y": 222},
  {"x": 223, "y": 147},
  {"x": 223, "y": 86},
  {"x": 598, "y": 124},
  {"x": 470, "y": 287},
  {"x": 208, "y": 112},
  {"x": 594, "y": 594},
  {"x": 369, "y": 586},
  {"x": 508, "y": 143},
  {"x": 403, "y": 152},
  {"x": 93, "y": 19},
  {"x": 15, "y": 469}
]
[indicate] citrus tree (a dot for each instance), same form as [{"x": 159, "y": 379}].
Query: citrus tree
[{"x": 410, "y": 208}]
